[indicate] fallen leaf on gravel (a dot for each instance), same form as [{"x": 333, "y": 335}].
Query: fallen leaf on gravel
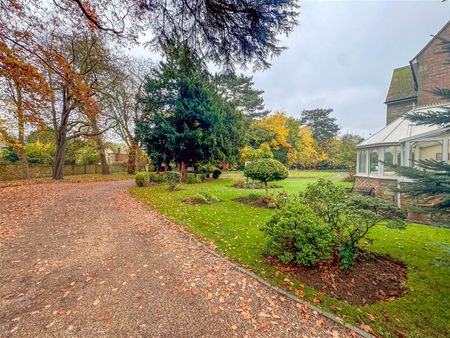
[
  {"x": 50, "y": 325},
  {"x": 96, "y": 302},
  {"x": 246, "y": 315},
  {"x": 316, "y": 300},
  {"x": 139, "y": 295},
  {"x": 335, "y": 334}
]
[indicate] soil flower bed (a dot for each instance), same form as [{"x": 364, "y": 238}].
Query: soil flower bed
[{"x": 371, "y": 279}]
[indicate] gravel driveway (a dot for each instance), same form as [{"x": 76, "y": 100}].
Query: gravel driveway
[{"x": 87, "y": 260}]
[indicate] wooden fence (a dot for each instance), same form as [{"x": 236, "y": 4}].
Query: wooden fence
[{"x": 13, "y": 171}]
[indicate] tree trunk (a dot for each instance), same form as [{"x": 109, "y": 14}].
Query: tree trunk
[
  {"x": 23, "y": 163},
  {"x": 61, "y": 144},
  {"x": 61, "y": 140},
  {"x": 100, "y": 145},
  {"x": 132, "y": 151},
  {"x": 183, "y": 170},
  {"x": 21, "y": 126},
  {"x": 267, "y": 189}
]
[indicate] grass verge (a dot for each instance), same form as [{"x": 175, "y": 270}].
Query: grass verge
[{"x": 235, "y": 229}]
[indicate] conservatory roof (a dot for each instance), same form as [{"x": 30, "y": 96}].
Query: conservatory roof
[{"x": 401, "y": 129}]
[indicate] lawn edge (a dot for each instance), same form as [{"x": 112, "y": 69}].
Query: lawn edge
[{"x": 249, "y": 273}]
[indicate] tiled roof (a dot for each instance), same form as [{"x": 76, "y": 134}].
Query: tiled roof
[{"x": 402, "y": 85}]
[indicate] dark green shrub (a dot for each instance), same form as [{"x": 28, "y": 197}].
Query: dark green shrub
[
  {"x": 296, "y": 234},
  {"x": 322, "y": 196},
  {"x": 216, "y": 173},
  {"x": 173, "y": 178},
  {"x": 350, "y": 216},
  {"x": 266, "y": 170},
  {"x": 347, "y": 255},
  {"x": 203, "y": 177},
  {"x": 191, "y": 178},
  {"x": 141, "y": 179},
  {"x": 155, "y": 178}
]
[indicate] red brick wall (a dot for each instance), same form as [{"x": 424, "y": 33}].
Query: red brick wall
[
  {"x": 433, "y": 70},
  {"x": 382, "y": 187},
  {"x": 397, "y": 109},
  {"x": 382, "y": 190}
]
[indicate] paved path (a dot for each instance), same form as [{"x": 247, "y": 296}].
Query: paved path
[{"x": 87, "y": 260}]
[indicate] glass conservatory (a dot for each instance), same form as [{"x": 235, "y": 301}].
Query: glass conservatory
[{"x": 401, "y": 143}]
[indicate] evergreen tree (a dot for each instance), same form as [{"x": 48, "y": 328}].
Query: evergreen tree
[
  {"x": 187, "y": 120},
  {"x": 322, "y": 125},
  {"x": 239, "y": 91}
]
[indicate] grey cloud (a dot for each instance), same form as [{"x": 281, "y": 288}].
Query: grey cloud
[{"x": 342, "y": 54}]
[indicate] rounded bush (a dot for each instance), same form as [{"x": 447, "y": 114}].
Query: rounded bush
[
  {"x": 266, "y": 170},
  {"x": 155, "y": 178},
  {"x": 296, "y": 235},
  {"x": 173, "y": 178},
  {"x": 141, "y": 179},
  {"x": 191, "y": 178},
  {"x": 216, "y": 173}
]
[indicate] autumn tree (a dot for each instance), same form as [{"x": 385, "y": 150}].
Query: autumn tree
[
  {"x": 23, "y": 95},
  {"x": 124, "y": 106},
  {"x": 305, "y": 153},
  {"x": 73, "y": 94},
  {"x": 342, "y": 153},
  {"x": 271, "y": 130},
  {"x": 225, "y": 32}
]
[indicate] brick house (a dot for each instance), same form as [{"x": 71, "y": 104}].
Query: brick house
[
  {"x": 401, "y": 142},
  {"x": 411, "y": 85}
]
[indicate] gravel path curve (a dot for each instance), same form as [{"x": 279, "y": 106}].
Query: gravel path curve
[{"x": 87, "y": 260}]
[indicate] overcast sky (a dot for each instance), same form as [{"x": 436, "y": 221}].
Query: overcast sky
[{"x": 341, "y": 56}]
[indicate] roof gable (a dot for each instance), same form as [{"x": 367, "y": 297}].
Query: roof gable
[
  {"x": 434, "y": 37},
  {"x": 402, "y": 85}
]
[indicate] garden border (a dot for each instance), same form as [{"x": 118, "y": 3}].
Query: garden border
[{"x": 260, "y": 279}]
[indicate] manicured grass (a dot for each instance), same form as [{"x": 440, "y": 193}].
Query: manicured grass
[
  {"x": 99, "y": 177},
  {"x": 235, "y": 229}
]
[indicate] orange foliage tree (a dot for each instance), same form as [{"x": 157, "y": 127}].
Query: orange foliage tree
[
  {"x": 305, "y": 153},
  {"x": 23, "y": 94}
]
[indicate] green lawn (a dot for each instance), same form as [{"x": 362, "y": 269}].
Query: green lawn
[
  {"x": 235, "y": 230},
  {"x": 99, "y": 177}
]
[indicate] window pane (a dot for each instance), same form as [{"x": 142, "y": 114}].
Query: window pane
[
  {"x": 362, "y": 161},
  {"x": 426, "y": 150},
  {"x": 373, "y": 159},
  {"x": 391, "y": 158}
]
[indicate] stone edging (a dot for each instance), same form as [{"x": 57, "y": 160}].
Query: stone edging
[{"x": 326, "y": 314}]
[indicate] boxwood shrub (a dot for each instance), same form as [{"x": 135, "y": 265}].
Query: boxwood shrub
[{"x": 297, "y": 235}]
